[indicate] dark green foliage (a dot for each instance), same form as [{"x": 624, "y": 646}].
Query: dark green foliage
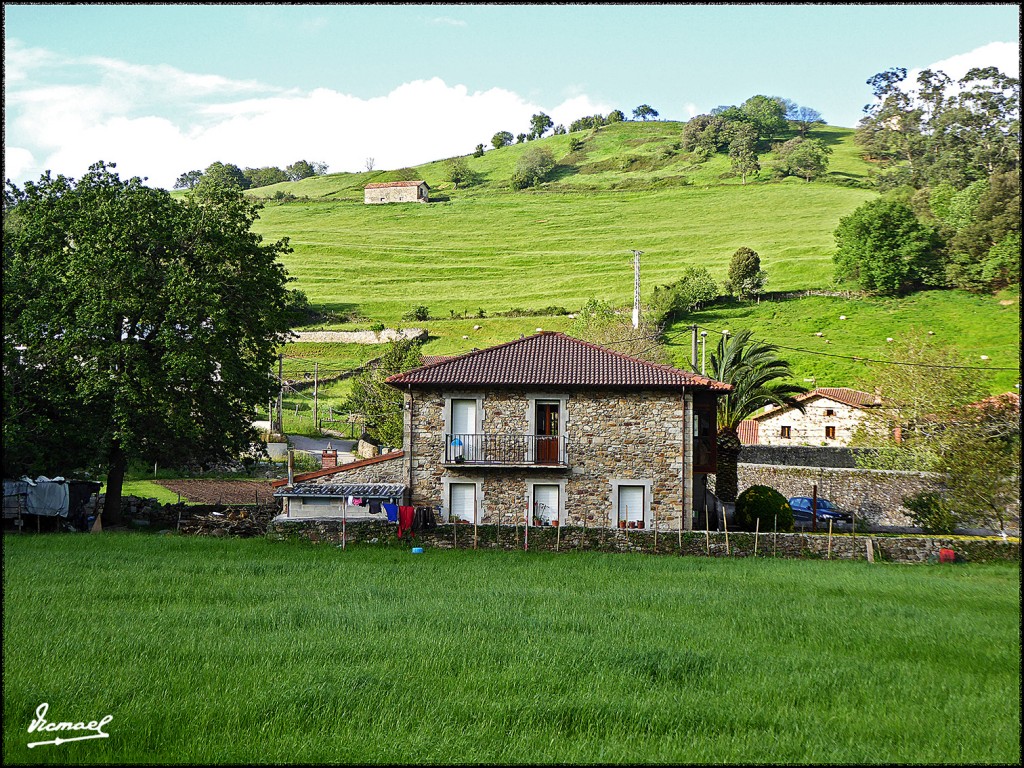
[
  {"x": 458, "y": 172},
  {"x": 704, "y": 135},
  {"x": 379, "y": 402},
  {"x": 262, "y": 177},
  {"x": 929, "y": 513},
  {"x": 303, "y": 169},
  {"x": 479, "y": 151},
  {"x": 588, "y": 122},
  {"x": 615, "y": 116},
  {"x": 694, "y": 290},
  {"x": 539, "y": 125},
  {"x": 743, "y": 150},
  {"x": 745, "y": 275},
  {"x": 533, "y": 167},
  {"x": 136, "y": 326},
  {"x": 575, "y": 144},
  {"x": 767, "y": 113},
  {"x": 806, "y": 158},
  {"x": 417, "y": 313},
  {"x": 885, "y": 249},
  {"x": 188, "y": 180},
  {"x": 520, "y": 138},
  {"x": 803, "y": 118},
  {"x": 645, "y": 112},
  {"x": 225, "y": 174},
  {"x": 501, "y": 139},
  {"x": 759, "y": 502}
]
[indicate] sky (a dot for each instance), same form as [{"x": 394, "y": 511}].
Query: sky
[{"x": 164, "y": 89}]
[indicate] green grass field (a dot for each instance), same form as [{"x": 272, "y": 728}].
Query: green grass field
[
  {"x": 484, "y": 249},
  {"x": 247, "y": 651}
]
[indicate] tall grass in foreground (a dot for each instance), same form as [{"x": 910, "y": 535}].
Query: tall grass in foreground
[{"x": 249, "y": 651}]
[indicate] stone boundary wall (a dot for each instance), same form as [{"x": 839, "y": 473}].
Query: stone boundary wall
[
  {"x": 875, "y": 495},
  {"x": 360, "y": 337},
  {"x": 801, "y": 455},
  {"x": 896, "y": 549}
]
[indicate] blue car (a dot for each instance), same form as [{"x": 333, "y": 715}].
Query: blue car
[{"x": 801, "y": 506}]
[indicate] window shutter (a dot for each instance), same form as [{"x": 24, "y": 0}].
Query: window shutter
[
  {"x": 545, "y": 502},
  {"x": 631, "y": 502},
  {"x": 463, "y": 500}
]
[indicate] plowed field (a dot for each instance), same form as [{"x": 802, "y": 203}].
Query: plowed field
[{"x": 221, "y": 491}]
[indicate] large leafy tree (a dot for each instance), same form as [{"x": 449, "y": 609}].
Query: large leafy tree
[
  {"x": 136, "y": 326},
  {"x": 533, "y": 167},
  {"x": 502, "y": 139},
  {"x": 378, "y": 402},
  {"x": 767, "y": 113},
  {"x": 539, "y": 125},
  {"x": 885, "y": 249},
  {"x": 759, "y": 377},
  {"x": 645, "y": 112}
]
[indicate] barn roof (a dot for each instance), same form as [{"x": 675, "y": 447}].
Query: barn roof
[{"x": 383, "y": 184}]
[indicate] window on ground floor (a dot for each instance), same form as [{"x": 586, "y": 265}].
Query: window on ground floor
[
  {"x": 545, "y": 504},
  {"x": 462, "y": 501},
  {"x": 786, "y": 432},
  {"x": 631, "y": 504},
  {"x": 830, "y": 433}
]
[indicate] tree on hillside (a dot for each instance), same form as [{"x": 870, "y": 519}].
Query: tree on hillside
[
  {"x": 704, "y": 135},
  {"x": 136, "y": 327},
  {"x": 501, "y": 139},
  {"x": 803, "y": 118},
  {"x": 645, "y": 112},
  {"x": 694, "y": 290},
  {"x": 478, "y": 151},
  {"x": 225, "y": 174},
  {"x": 806, "y": 158},
  {"x": 615, "y": 116},
  {"x": 767, "y": 113},
  {"x": 539, "y": 124},
  {"x": 745, "y": 275},
  {"x": 885, "y": 249},
  {"x": 600, "y": 323},
  {"x": 369, "y": 163},
  {"x": 458, "y": 172},
  {"x": 303, "y": 169},
  {"x": 262, "y": 177},
  {"x": 520, "y": 138},
  {"x": 743, "y": 150},
  {"x": 533, "y": 167},
  {"x": 759, "y": 378},
  {"x": 380, "y": 403},
  {"x": 188, "y": 180}
]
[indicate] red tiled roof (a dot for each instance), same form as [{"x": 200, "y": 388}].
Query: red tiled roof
[
  {"x": 431, "y": 359},
  {"x": 395, "y": 184},
  {"x": 552, "y": 359},
  {"x": 852, "y": 397},
  {"x": 748, "y": 431},
  {"x": 340, "y": 468}
]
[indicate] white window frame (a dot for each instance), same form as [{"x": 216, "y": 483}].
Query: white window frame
[
  {"x": 530, "y": 498},
  {"x": 614, "y": 500},
  {"x": 477, "y": 428},
  {"x": 447, "y": 482}
]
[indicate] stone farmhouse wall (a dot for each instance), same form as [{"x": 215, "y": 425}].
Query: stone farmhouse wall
[
  {"x": 802, "y": 455},
  {"x": 808, "y": 428},
  {"x": 385, "y": 471},
  {"x": 402, "y": 194},
  {"x": 619, "y": 435}
]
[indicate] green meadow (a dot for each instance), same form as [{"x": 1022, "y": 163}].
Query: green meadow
[
  {"x": 478, "y": 253},
  {"x": 248, "y": 651}
]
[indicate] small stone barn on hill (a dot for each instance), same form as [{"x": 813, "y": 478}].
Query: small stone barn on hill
[{"x": 396, "y": 192}]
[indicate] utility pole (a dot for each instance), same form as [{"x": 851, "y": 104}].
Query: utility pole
[
  {"x": 693, "y": 347},
  {"x": 703, "y": 351},
  {"x": 636, "y": 288},
  {"x": 280, "y": 393}
]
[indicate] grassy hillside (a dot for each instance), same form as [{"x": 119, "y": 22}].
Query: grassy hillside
[{"x": 484, "y": 249}]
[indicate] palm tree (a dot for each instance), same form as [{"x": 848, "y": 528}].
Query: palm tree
[{"x": 759, "y": 378}]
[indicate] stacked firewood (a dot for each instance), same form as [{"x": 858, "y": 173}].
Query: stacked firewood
[{"x": 230, "y": 522}]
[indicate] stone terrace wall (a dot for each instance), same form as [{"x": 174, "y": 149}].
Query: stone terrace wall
[
  {"x": 801, "y": 455},
  {"x": 902, "y": 549}
]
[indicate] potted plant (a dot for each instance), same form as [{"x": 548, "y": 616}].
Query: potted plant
[{"x": 622, "y": 523}]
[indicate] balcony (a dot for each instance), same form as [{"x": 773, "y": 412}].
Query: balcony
[{"x": 506, "y": 450}]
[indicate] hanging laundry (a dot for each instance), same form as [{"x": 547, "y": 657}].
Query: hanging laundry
[
  {"x": 392, "y": 512},
  {"x": 374, "y": 506},
  {"x": 405, "y": 516}
]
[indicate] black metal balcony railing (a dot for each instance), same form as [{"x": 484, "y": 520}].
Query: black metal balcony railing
[{"x": 505, "y": 449}]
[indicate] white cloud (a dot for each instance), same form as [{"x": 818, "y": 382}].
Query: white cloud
[
  {"x": 158, "y": 122},
  {"x": 1004, "y": 56}
]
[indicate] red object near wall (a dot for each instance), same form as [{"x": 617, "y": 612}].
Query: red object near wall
[{"x": 947, "y": 556}]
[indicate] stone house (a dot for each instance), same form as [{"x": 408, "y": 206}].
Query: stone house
[
  {"x": 549, "y": 429},
  {"x": 830, "y": 417},
  {"x": 396, "y": 192}
]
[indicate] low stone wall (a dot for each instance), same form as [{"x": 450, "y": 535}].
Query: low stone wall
[
  {"x": 360, "y": 337},
  {"x": 902, "y": 549},
  {"x": 801, "y": 455}
]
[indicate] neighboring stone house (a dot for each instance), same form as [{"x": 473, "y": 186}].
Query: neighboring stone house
[
  {"x": 572, "y": 432},
  {"x": 396, "y": 192},
  {"x": 830, "y": 417}
]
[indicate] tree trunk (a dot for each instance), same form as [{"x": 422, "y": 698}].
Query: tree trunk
[
  {"x": 115, "y": 482},
  {"x": 727, "y": 476}
]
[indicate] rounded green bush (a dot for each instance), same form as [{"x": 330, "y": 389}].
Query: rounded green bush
[{"x": 764, "y": 503}]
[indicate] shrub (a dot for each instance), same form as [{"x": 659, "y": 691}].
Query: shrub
[
  {"x": 417, "y": 313},
  {"x": 377, "y": 327},
  {"x": 929, "y": 513},
  {"x": 575, "y": 144},
  {"x": 764, "y": 503}
]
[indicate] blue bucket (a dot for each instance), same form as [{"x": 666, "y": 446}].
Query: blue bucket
[{"x": 417, "y": 550}]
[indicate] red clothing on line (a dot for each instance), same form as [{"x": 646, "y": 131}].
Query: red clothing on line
[{"x": 405, "y": 515}]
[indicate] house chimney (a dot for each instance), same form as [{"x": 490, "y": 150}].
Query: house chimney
[
  {"x": 329, "y": 458},
  {"x": 878, "y": 396}
]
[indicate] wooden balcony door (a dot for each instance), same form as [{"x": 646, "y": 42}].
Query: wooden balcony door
[{"x": 547, "y": 433}]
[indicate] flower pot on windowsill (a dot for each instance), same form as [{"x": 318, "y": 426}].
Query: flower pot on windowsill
[
  {"x": 554, "y": 523},
  {"x": 632, "y": 524},
  {"x": 622, "y": 523},
  {"x": 640, "y": 524}
]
